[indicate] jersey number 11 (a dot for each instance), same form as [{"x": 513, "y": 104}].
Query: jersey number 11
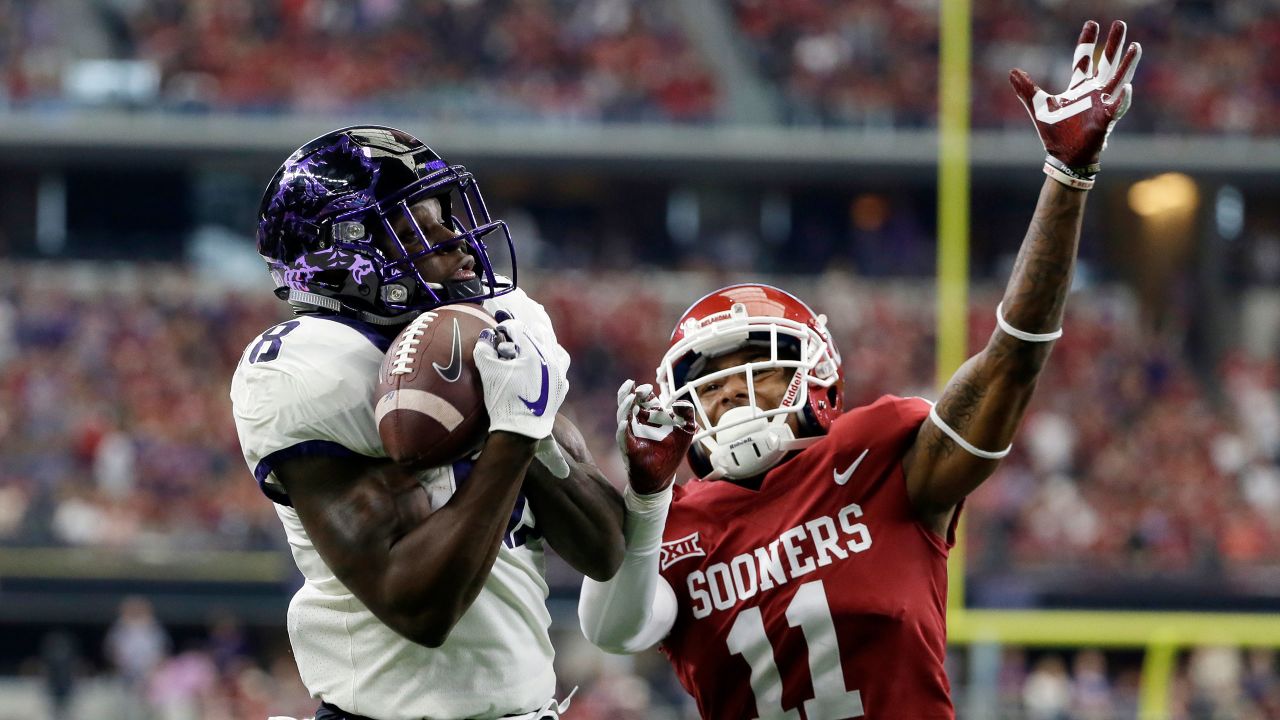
[{"x": 810, "y": 612}]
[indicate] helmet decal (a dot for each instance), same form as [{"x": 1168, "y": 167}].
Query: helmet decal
[
  {"x": 303, "y": 273},
  {"x": 311, "y": 188}
]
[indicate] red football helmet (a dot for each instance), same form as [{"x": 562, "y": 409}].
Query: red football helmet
[{"x": 749, "y": 440}]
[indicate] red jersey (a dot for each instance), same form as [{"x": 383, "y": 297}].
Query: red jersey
[{"x": 818, "y": 596}]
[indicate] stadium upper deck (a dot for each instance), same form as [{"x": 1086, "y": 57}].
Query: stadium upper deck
[{"x": 840, "y": 64}]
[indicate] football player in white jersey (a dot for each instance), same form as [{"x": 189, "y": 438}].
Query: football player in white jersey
[{"x": 424, "y": 595}]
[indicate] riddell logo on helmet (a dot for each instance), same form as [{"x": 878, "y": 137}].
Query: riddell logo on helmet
[{"x": 793, "y": 390}]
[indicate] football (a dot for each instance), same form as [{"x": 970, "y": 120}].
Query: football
[{"x": 430, "y": 403}]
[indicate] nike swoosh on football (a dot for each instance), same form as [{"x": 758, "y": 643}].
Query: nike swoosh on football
[
  {"x": 843, "y": 477},
  {"x": 539, "y": 406},
  {"x": 452, "y": 371}
]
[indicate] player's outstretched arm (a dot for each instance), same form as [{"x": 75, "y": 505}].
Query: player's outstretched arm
[
  {"x": 579, "y": 512},
  {"x": 418, "y": 569},
  {"x": 974, "y": 421}
]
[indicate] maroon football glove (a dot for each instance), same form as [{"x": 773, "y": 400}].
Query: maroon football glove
[
  {"x": 653, "y": 440},
  {"x": 1074, "y": 125}
]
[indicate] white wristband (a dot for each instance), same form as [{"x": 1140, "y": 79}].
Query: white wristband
[
  {"x": 1074, "y": 183},
  {"x": 945, "y": 428},
  {"x": 1074, "y": 178},
  {"x": 1022, "y": 334}
]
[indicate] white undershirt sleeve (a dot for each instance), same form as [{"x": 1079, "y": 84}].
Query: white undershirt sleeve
[{"x": 636, "y": 608}]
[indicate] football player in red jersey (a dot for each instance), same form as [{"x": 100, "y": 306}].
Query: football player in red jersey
[{"x": 808, "y": 581}]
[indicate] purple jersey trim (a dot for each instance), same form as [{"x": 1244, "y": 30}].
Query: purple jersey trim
[
  {"x": 369, "y": 331},
  {"x": 307, "y": 448}
]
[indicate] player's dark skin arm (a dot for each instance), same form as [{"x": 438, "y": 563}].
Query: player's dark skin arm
[
  {"x": 416, "y": 569},
  {"x": 986, "y": 398},
  {"x": 581, "y": 515}
]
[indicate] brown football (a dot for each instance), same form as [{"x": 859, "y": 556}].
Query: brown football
[{"x": 430, "y": 403}]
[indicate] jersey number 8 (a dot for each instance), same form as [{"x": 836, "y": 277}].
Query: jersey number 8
[{"x": 268, "y": 345}]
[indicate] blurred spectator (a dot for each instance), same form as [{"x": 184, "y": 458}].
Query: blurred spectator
[
  {"x": 1091, "y": 696},
  {"x": 181, "y": 686},
  {"x": 1261, "y": 683},
  {"x": 61, "y": 666},
  {"x": 1047, "y": 691},
  {"x": 1216, "y": 684},
  {"x": 136, "y": 645},
  {"x": 227, "y": 643}
]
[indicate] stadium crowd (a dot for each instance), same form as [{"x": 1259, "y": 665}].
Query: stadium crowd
[
  {"x": 867, "y": 64},
  {"x": 515, "y": 59},
  {"x": 847, "y": 63},
  {"x": 227, "y": 672},
  {"x": 115, "y": 428}
]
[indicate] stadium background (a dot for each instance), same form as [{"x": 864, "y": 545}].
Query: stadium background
[{"x": 1123, "y": 562}]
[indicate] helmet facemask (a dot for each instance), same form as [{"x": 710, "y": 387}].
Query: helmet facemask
[
  {"x": 748, "y": 440},
  {"x": 403, "y": 286}
]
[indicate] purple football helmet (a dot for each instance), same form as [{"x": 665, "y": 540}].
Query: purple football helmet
[{"x": 327, "y": 202}]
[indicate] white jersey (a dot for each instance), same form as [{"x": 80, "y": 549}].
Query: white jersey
[{"x": 306, "y": 386}]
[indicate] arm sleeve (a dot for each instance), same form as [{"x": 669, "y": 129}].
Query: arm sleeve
[{"x": 636, "y": 608}]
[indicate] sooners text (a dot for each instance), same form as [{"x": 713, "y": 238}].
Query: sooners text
[{"x": 796, "y": 552}]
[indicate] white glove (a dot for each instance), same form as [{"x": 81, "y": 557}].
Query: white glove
[
  {"x": 523, "y": 387},
  {"x": 516, "y": 304}
]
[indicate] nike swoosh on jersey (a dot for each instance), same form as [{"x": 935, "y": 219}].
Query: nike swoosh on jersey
[
  {"x": 539, "y": 406},
  {"x": 452, "y": 371},
  {"x": 843, "y": 477}
]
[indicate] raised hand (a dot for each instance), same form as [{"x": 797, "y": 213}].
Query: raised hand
[
  {"x": 523, "y": 385},
  {"x": 1074, "y": 124},
  {"x": 653, "y": 440}
]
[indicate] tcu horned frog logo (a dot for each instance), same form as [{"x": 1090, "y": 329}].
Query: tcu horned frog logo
[{"x": 677, "y": 550}]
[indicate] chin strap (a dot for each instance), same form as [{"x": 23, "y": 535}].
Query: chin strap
[
  {"x": 303, "y": 298},
  {"x": 752, "y": 447}
]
